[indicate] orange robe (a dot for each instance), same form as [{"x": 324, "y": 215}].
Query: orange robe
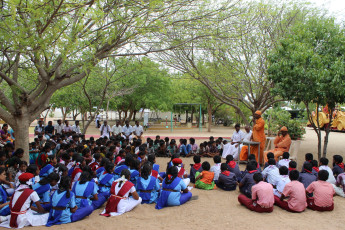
[
  {"x": 259, "y": 136},
  {"x": 282, "y": 144}
]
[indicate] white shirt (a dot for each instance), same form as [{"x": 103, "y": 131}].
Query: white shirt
[
  {"x": 216, "y": 169},
  {"x": 138, "y": 130},
  {"x": 116, "y": 129},
  {"x": 226, "y": 150},
  {"x": 67, "y": 128},
  {"x": 98, "y": 117},
  {"x": 76, "y": 129},
  {"x": 59, "y": 128},
  {"x": 283, "y": 162},
  {"x": 237, "y": 136},
  {"x": 331, "y": 178},
  {"x": 105, "y": 131},
  {"x": 271, "y": 173},
  {"x": 283, "y": 180},
  {"x": 127, "y": 130},
  {"x": 39, "y": 129},
  {"x": 247, "y": 136},
  {"x": 117, "y": 189}
]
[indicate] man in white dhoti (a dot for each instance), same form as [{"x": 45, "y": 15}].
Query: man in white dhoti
[{"x": 236, "y": 140}]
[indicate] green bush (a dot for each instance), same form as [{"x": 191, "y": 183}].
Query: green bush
[{"x": 277, "y": 118}]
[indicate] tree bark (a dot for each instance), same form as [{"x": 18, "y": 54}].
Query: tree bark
[
  {"x": 327, "y": 132},
  {"x": 21, "y": 130},
  {"x": 134, "y": 114}
]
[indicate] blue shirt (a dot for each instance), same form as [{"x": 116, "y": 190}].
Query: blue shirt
[
  {"x": 174, "y": 197},
  {"x": 107, "y": 186},
  {"x": 145, "y": 183},
  {"x": 66, "y": 214},
  {"x": 45, "y": 197},
  {"x": 80, "y": 189}
]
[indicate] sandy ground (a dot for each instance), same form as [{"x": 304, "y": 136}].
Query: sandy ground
[{"x": 219, "y": 209}]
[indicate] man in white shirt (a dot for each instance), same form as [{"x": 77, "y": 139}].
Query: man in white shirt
[
  {"x": 76, "y": 128},
  {"x": 98, "y": 119},
  {"x": 324, "y": 166},
  {"x": 105, "y": 130},
  {"x": 237, "y": 138},
  {"x": 67, "y": 129},
  {"x": 117, "y": 129},
  {"x": 271, "y": 172},
  {"x": 58, "y": 127},
  {"x": 127, "y": 131},
  {"x": 39, "y": 129},
  {"x": 282, "y": 181},
  {"x": 248, "y": 134},
  {"x": 138, "y": 130}
]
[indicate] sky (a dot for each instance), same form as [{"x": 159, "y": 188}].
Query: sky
[{"x": 335, "y": 7}]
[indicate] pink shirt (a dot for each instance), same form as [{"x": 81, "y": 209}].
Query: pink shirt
[
  {"x": 298, "y": 199},
  {"x": 263, "y": 193},
  {"x": 322, "y": 192}
]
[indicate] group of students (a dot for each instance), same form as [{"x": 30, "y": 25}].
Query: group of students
[{"x": 68, "y": 177}]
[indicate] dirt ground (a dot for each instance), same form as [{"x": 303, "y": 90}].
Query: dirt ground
[{"x": 219, "y": 209}]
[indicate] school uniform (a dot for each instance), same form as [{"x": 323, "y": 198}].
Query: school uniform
[
  {"x": 216, "y": 169},
  {"x": 234, "y": 168},
  {"x": 306, "y": 178},
  {"x": 297, "y": 201},
  {"x": 43, "y": 192},
  {"x": 21, "y": 214},
  {"x": 60, "y": 213},
  {"x": 4, "y": 211},
  {"x": 118, "y": 169},
  {"x": 331, "y": 178},
  {"x": 193, "y": 170},
  {"x": 338, "y": 169},
  {"x": 262, "y": 198},
  {"x": 75, "y": 175},
  {"x": 119, "y": 201},
  {"x": 84, "y": 193},
  {"x": 171, "y": 195},
  {"x": 271, "y": 173},
  {"x": 104, "y": 183},
  {"x": 148, "y": 189},
  {"x": 134, "y": 176},
  {"x": 280, "y": 185},
  {"x": 322, "y": 199},
  {"x": 46, "y": 170},
  {"x": 283, "y": 162},
  {"x": 340, "y": 191},
  {"x": 227, "y": 148},
  {"x": 248, "y": 183},
  {"x": 227, "y": 181}
]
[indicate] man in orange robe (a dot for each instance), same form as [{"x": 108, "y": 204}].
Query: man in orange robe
[
  {"x": 257, "y": 136},
  {"x": 282, "y": 144}
]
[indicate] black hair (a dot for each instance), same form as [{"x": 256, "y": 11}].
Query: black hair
[
  {"x": 217, "y": 159},
  {"x": 293, "y": 164},
  {"x": 323, "y": 175},
  {"x": 52, "y": 176},
  {"x": 286, "y": 155},
  {"x": 109, "y": 167},
  {"x": 223, "y": 167},
  {"x": 257, "y": 177},
  {"x": 2, "y": 169},
  {"x": 104, "y": 162},
  {"x": 109, "y": 155},
  {"x": 65, "y": 156},
  {"x": 197, "y": 159},
  {"x": 97, "y": 156},
  {"x": 237, "y": 126},
  {"x": 23, "y": 163},
  {"x": 283, "y": 170},
  {"x": 141, "y": 154},
  {"x": 251, "y": 157},
  {"x": 229, "y": 158},
  {"x": 85, "y": 177},
  {"x": 151, "y": 158},
  {"x": 192, "y": 140},
  {"x": 251, "y": 166},
  {"x": 64, "y": 185},
  {"x": 308, "y": 166},
  {"x": 128, "y": 159},
  {"x": 13, "y": 160},
  {"x": 338, "y": 159},
  {"x": 309, "y": 157},
  {"x": 61, "y": 168},
  {"x": 294, "y": 175},
  {"x": 271, "y": 161},
  {"x": 32, "y": 168},
  {"x": 171, "y": 175},
  {"x": 135, "y": 164},
  {"x": 270, "y": 155},
  {"x": 314, "y": 163},
  {"x": 205, "y": 165},
  {"x": 18, "y": 152},
  {"x": 146, "y": 170},
  {"x": 85, "y": 151},
  {"x": 127, "y": 174},
  {"x": 324, "y": 161}
]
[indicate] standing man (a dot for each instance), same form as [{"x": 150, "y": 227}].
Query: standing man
[
  {"x": 58, "y": 127},
  {"x": 98, "y": 118},
  {"x": 105, "y": 130},
  {"x": 117, "y": 129},
  {"x": 76, "y": 128},
  {"x": 258, "y": 136},
  {"x": 138, "y": 130},
  {"x": 127, "y": 131}
]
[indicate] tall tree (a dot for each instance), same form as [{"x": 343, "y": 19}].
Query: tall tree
[
  {"x": 309, "y": 67},
  {"x": 47, "y": 45}
]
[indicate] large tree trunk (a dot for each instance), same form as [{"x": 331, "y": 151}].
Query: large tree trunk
[
  {"x": 327, "y": 132},
  {"x": 209, "y": 111},
  {"x": 64, "y": 114},
  {"x": 21, "y": 130},
  {"x": 130, "y": 115},
  {"x": 134, "y": 114}
]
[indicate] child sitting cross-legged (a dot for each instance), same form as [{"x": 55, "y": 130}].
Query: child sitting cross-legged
[
  {"x": 227, "y": 180},
  {"x": 204, "y": 180}
]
